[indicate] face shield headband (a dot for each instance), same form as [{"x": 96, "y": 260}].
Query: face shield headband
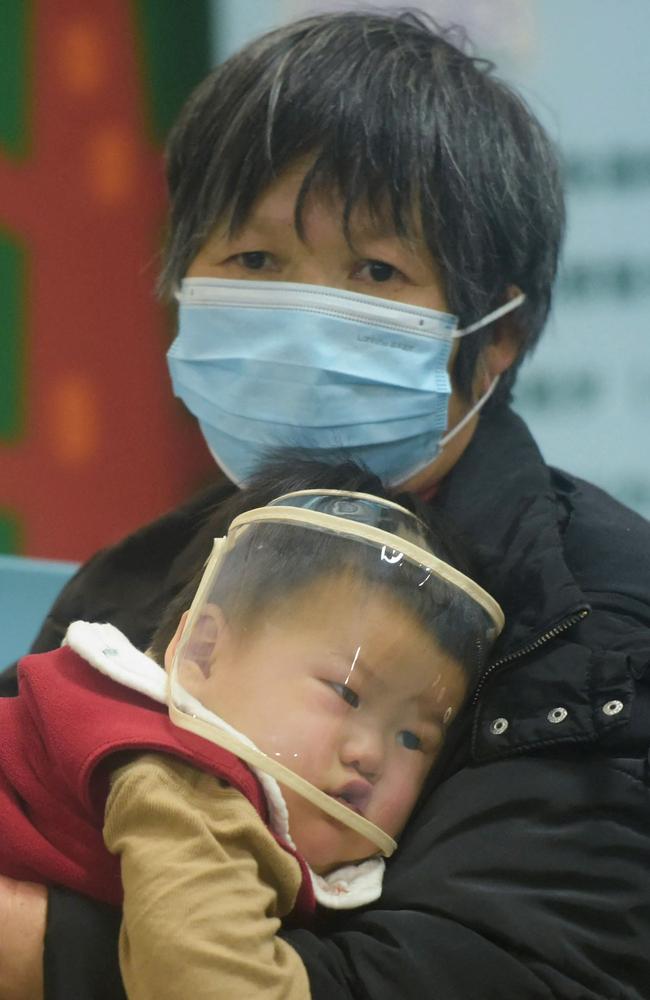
[{"x": 288, "y": 586}]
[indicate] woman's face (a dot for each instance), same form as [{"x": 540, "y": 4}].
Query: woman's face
[{"x": 269, "y": 248}]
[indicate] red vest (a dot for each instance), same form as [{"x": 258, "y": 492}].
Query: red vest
[{"x": 56, "y": 739}]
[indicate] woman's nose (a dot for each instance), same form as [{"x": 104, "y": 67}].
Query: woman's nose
[{"x": 311, "y": 272}]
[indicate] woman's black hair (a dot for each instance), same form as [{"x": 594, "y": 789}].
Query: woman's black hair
[
  {"x": 271, "y": 562},
  {"x": 396, "y": 118}
]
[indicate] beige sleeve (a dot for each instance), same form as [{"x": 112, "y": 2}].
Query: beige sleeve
[{"x": 205, "y": 886}]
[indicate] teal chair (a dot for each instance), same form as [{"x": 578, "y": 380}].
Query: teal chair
[{"x": 28, "y": 588}]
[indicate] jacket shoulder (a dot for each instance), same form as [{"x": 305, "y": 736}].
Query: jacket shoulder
[
  {"x": 606, "y": 545},
  {"x": 129, "y": 583}
]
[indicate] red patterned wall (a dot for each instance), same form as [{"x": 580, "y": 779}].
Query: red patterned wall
[{"x": 92, "y": 444}]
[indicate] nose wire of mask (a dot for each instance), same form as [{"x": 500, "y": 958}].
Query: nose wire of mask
[{"x": 265, "y": 365}]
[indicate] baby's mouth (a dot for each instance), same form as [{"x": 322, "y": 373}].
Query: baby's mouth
[{"x": 355, "y": 795}]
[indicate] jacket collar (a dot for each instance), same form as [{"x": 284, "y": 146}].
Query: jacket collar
[{"x": 501, "y": 496}]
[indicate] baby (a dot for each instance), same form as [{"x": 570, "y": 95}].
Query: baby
[{"x": 331, "y": 640}]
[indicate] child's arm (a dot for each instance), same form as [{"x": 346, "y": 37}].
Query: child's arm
[{"x": 205, "y": 886}]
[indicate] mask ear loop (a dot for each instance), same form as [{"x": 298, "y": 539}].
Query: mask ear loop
[
  {"x": 495, "y": 314},
  {"x": 472, "y": 328},
  {"x": 470, "y": 413}
]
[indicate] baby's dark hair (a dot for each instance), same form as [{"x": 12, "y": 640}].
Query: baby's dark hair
[
  {"x": 396, "y": 118},
  {"x": 285, "y": 560}
]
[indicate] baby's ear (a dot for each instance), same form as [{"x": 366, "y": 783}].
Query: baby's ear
[{"x": 207, "y": 631}]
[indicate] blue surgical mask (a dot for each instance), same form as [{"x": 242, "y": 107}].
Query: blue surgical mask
[{"x": 266, "y": 365}]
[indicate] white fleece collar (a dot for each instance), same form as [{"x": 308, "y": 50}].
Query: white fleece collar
[{"x": 109, "y": 651}]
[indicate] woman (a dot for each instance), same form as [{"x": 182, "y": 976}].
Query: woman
[{"x": 358, "y": 156}]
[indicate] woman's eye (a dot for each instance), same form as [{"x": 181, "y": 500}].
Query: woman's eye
[
  {"x": 409, "y": 740},
  {"x": 346, "y": 693},
  {"x": 253, "y": 260},
  {"x": 379, "y": 271}
]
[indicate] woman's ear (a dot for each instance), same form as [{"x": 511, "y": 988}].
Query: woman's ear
[{"x": 505, "y": 345}]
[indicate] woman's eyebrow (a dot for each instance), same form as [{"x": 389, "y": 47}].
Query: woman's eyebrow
[
  {"x": 412, "y": 246},
  {"x": 258, "y": 224},
  {"x": 257, "y": 227},
  {"x": 380, "y": 229}
]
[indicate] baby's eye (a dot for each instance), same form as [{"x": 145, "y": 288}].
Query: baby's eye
[
  {"x": 409, "y": 740},
  {"x": 346, "y": 693},
  {"x": 378, "y": 271}
]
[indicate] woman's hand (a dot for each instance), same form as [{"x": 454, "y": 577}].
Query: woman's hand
[{"x": 23, "y": 908}]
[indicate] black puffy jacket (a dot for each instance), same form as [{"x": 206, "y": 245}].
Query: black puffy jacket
[{"x": 525, "y": 873}]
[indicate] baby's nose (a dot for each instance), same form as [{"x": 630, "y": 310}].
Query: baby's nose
[{"x": 364, "y": 750}]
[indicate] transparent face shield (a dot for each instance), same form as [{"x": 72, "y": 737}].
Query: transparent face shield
[{"x": 329, "y": 648}]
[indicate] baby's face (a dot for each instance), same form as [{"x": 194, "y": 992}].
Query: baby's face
[{"x": 346, "y": 688}]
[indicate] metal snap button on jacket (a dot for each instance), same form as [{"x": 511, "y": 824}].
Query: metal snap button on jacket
[
  {"x": 613, "y": 707},
  {"x": 556, "y": 715},
  {"x": 499, "y": 726}
]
